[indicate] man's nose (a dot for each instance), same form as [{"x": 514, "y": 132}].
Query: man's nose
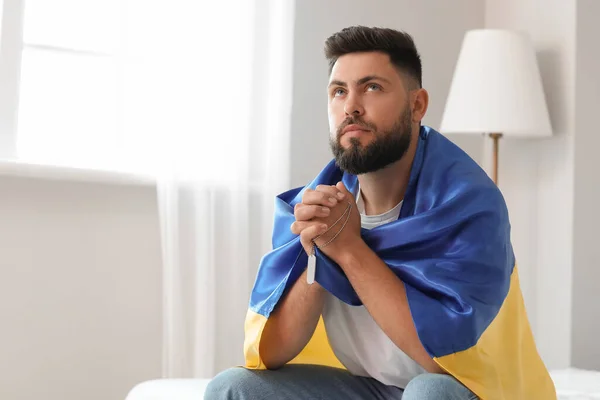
[{"x": 353, "y": 106}]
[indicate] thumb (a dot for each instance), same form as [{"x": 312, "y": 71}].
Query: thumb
[{"x": 341, "y": 187}]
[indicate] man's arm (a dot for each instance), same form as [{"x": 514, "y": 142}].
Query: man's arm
[
  {"x": 384, "y": 296},
  {"x": 380, "y": 290},
  {"x": 292, "y": 323}
]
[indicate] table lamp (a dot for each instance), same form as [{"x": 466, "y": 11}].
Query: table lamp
[{"x": 496, "y": 89}]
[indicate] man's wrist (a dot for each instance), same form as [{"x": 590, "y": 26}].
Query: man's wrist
[{"x": 349, "y": 256}]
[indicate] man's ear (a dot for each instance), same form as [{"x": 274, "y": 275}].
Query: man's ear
[{"x": 420, "y": 102}]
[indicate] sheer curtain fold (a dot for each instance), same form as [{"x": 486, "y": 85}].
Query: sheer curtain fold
[{"x": 222, "y": 165}]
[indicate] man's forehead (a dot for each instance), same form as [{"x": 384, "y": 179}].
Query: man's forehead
[{"x": 352, "y": 67}]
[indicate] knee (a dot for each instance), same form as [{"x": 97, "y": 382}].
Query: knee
[
  {"x": 231, "y": 384},
  {"x": 435, "y": 387}
]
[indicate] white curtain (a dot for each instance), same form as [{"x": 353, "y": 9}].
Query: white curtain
[{"x": 226, "y": 110}]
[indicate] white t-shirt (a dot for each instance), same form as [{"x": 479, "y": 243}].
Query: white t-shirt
[{"x": 356, "y": 339}]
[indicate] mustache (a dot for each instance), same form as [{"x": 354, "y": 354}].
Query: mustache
[{"x": 354, "y": 121}]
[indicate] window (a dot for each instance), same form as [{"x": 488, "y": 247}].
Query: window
[
  {"x": 69, "y": 94},
  {"x": 110, "y": 84}
]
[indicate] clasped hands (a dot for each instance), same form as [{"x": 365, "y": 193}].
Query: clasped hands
[{"x": 318, "y": 211}]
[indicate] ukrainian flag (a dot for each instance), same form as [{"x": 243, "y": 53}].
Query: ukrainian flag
[{"x": 451, "y": 248}]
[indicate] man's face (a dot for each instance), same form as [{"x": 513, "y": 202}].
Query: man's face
[{"x": 370, "y": 118}]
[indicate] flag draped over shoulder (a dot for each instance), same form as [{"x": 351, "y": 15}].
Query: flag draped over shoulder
[{"x": 451, "y": 248}]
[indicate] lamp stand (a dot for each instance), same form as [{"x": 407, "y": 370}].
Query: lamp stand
[{"x": 495, "y": 137}]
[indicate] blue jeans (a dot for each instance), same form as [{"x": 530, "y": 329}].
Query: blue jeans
[{"x": 299, "y": 382}]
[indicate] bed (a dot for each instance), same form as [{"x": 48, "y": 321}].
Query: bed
[{"x": 571, "y": 384}]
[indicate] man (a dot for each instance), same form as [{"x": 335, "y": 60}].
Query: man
[{"x": 401, "y": 245}]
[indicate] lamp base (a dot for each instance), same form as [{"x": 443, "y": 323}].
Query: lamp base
[{"x": 495, "y": 137}]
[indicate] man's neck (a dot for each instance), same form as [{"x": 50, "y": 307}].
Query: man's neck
[{"x": 384, "y": 189}]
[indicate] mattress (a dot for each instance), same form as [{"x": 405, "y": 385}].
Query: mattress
[
  {"x": 571, "y": 384},
  {"x": 577, "y": 384},
  {"x": 169, "y": 389}
]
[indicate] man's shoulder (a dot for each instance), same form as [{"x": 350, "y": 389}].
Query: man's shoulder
[
  {"x": 453, "y": 174},
  {"x": 451, "y": 157}
]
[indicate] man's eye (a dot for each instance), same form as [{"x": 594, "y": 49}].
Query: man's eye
[
  {"x": 338, "y": 92},
  {"x": 374, "y": 87}
]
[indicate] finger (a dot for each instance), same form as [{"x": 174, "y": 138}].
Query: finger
[
  {"x": 313, "y": 197},
  {"x": 308, "y": 212},
  {"x": 308, "y": 234},
  {"x": 298, "y": 226},
  {"x": 331, "y": 190},
  {"x": 341, "y": 187}
]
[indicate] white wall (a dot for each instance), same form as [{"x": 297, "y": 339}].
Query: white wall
[
  {"x": 542, "y": 179},
  {"x": 585, "y": 349},
  {"x": 80, "y": 289},
  {"x": 437, "y": 27}
]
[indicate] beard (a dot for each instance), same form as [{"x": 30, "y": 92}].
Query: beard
[{"x": 386, "y": 148}]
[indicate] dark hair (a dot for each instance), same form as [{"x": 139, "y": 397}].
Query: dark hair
[{"x": 398, "y": 45}]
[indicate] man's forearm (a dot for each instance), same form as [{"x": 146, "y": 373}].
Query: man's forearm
[
  {"x": 384, "y": 296},
  {"x": 292, "y": 323}
]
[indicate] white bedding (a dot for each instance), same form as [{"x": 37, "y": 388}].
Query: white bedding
[
  {"x": 169, "y": 389},
  {"x": 571, "y": 384},
  {"x": 577, "y": 384}
]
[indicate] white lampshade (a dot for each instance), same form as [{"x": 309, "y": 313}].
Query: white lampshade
[{"x": 496, "y": 87}]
